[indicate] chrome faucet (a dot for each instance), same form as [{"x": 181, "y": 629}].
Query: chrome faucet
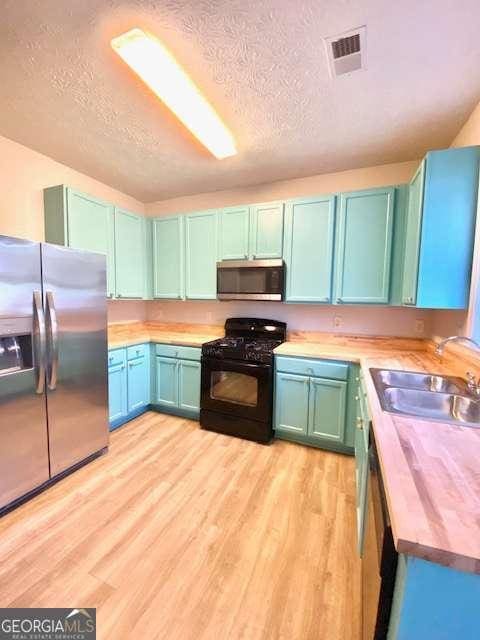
[
  {"x": 439, "y": 349},
  {"x": 473, "y": 383}
]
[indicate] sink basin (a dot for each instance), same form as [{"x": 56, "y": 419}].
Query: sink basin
[
  {"x": 446, "y": 407},
  {"x": 422, "y": 381}
]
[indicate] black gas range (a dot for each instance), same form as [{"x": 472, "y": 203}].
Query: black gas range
[{"x": 237, "y": 378}]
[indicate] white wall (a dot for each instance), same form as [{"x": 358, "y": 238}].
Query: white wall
[
  {"x": 363, "y": 178},
  {"x": 358, "y": 320},
  {"x": 24, "y": 174}
]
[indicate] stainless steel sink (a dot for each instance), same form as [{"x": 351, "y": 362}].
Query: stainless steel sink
[
  {"x": 428, "y": 396},
  {"x": 422, "y": 381},
  {"x": 446, "y": 407}
]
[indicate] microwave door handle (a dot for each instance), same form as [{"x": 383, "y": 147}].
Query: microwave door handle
[
  {"x": 53, "y": 326},
  {"x": 40, "y": 339}
]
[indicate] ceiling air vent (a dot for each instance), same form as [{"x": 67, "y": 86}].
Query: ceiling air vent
[{"x": 346, "y": 52}]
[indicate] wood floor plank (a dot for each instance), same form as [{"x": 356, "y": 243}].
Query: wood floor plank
[{"x": 186, "y": 534}]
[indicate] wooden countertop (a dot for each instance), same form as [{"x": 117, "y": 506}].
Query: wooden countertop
[
  {"x": 431, "y": 470},
  {"x": 191, "y": 335}
]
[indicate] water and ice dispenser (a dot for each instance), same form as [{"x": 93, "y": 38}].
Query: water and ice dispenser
[{"x": 15, "y": 350}]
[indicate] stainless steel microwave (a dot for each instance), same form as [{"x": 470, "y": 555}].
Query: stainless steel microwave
[{"x": 250, "y": 280}]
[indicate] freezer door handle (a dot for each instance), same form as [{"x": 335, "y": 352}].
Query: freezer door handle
[
  {"x": 40, "y": 335},
  {"x": 53, "y": 341}
]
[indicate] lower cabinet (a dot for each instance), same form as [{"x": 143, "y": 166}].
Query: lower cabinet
[
  {"x": 128, "y": 383},
  {"x": 361, "y": 461},
  {"x": 177, "y": 379},
  {"x": 311, "y": 402},
  {"x": 117, "y": 392}
]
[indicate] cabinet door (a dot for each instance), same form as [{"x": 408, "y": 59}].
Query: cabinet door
[
  {"x": 327, "y": 409},
  {"x": 138, "y": 384},
  {"x": 168, "y": 258},
  {"x": 90, "y": 226},
  {"x": 117, "y": 392},
  {"x": 167, "y": 381},
  {"x": 365, "y": 246},
  {"x": 361, "y": 474},
  {"x": 266, "y": 231},
  {"x": 201, "y": 256},
  {"x": 130, "y": 251},
  {"x": 189, "y": 385},
  {"x": 233, "y": 233},
  {"x": 309, "y": 229},
  {"x": 291, "y": 403},
  {"x": 412, "y": 236}
]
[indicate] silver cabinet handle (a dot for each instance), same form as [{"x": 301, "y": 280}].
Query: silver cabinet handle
[
  {"x": 40, "y": 335},
  {"x": 53, "y": 341}
]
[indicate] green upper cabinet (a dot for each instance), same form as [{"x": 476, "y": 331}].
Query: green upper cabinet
[
  {"x": 77, "y": 220},
  {"x": 201, "y": 255},
  {"x": 234, "y": 224},
  {"x": 364, "y": 246},
  {"x": 309, "y": 233},
  {"x": 130, "y": 255},
  {"x": 251, "y": 232},
  {"x": 266, "y": 231},
  {"x": 168, "y": 258},
  {"x": 412, "y": 236},
  {"x": 440, "y": 229}
]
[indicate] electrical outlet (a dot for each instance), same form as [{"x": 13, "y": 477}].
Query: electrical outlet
[
  {"x": 419, "y": 326},
  {"x": 337, "y": 322},
  {"x": 209, "y": 316}
]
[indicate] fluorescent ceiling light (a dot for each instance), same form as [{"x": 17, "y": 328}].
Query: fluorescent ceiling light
[{"x": 156, "y": 66}]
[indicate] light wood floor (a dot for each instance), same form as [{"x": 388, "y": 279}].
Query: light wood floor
[{"x": 182, "y": 534}]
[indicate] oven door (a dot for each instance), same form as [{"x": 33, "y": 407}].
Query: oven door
[{"x": 236, "y": 388}]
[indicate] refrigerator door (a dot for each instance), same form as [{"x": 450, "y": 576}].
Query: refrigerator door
[
  {"x": 74, "y": 288},
  {"x": 23, "y": 416}
]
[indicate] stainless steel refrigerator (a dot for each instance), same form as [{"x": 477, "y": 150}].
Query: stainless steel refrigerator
[{"x": 53, "y": 371}]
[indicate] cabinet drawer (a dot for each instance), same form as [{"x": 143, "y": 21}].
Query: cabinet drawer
[
  {"x": 176, "y": 351},
  {"x": 318, "y": 368},
  {"x": 116, "y": 356},
  {"x": 137, "y": 351}
]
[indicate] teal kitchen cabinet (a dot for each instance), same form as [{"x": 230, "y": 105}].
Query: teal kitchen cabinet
[
  {"x": 266, "y": 231},
  {"x": 291, "y": 403},
  {"x": 189, "y": 385},
  {"x": 309, "y": 242},
  {"x": 168, "y": 258},
  {"x": 412, "y": 236},
  {"x": 201, "y": 236},
  {"x": 167, "y": 382},
  {"x": 361, "y": 460},
  {"x": 433, "y": 602},
  {"x": 117, "y": 387},
  {"x": 138, "y": 364},
  {"x": 364, "y": 246},
  {"x": 234, "y": 225},
  {"x": 440, "y": 229},
  {"x": 130, "y": 255},
  {"x": 77, "y": 220},
  {"x": 251, "y": 232},
  {"x": 311, "y": 399},
  {"x": 128, "y": 383},
  {"x": 177, "y": 380},
  {"x": 327, "y": 402}
]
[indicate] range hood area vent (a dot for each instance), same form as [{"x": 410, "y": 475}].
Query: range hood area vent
[{"x": 346, "y": 52}]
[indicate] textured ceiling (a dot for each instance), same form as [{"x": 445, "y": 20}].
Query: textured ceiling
[{"x": 262, "y": 65}]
